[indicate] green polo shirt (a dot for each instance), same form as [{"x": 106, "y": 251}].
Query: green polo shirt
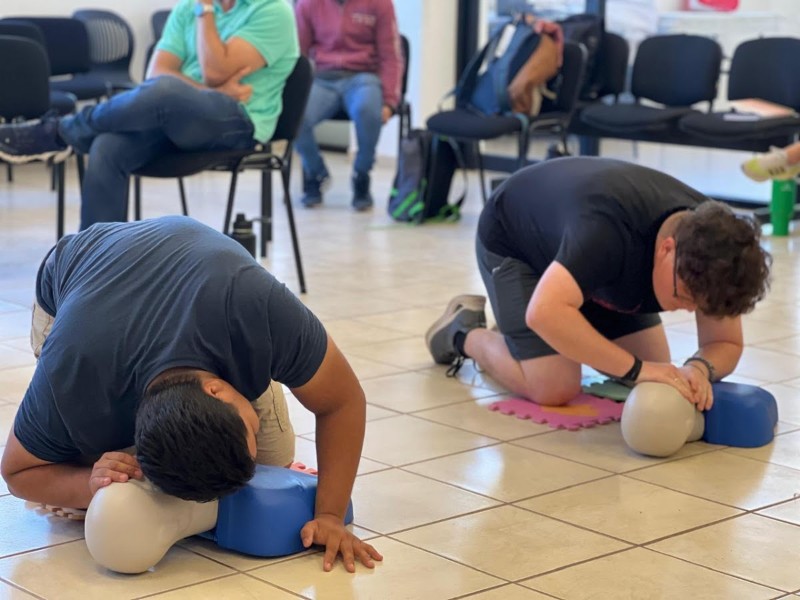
[{"x": 268, "y": 25}]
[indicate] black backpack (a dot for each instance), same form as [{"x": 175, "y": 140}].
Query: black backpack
[
  {"x": 586, "y": 29},
  {"x": 425, "y": 168},
  {"x": 483, "y": 86}
]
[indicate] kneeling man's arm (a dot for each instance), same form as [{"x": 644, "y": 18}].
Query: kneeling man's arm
[
  {"x": 335, "y": 396},
  {"x": 61, "y": 484},
  {"x": 554, "y": 313},
  {"x": 721, "y": 344}
]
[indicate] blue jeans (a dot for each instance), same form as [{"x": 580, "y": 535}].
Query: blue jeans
[
  {"x": 134, "y": 128},
  {"x": 361, "y": 97}
]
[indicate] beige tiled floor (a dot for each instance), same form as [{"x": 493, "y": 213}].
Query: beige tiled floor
[{"x": 463, "y": 502}]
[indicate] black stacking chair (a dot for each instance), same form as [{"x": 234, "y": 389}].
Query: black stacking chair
[
  {"x": 765, "y": 68},
  {"x": 261, "y": 158},
  {"x": 157, "y": 21},
  {"x": 404, "y": 108},
  {"x": 675, "y": 71},
  {"x": 29, "y": 96},
  {"x": 110, "y": 47},
  {"x": 464, "y": 125},
  {"x": 67, "y": 44},
  {"x": 62, "y": 103}
]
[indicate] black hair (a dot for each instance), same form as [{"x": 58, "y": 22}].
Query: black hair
[{"x": 189, "y": 444}]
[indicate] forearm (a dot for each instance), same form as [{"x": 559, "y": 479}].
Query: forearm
[
  {"x": 723, "y": 356},
  {"x": 56, "y": 484},
  {"x": 340, "y": 436},
  {"x": 156, "y": 71},
  {"x": 212, "y": 53},
  {"x": 572, "y": 336}
]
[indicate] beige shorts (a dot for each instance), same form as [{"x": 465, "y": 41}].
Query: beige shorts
[{"x": 275, "y": 438}]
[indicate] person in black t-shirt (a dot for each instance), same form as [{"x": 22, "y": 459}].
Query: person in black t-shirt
[
  {"x": 167, "y": 334},
  {"x": 578, "y": 256}
]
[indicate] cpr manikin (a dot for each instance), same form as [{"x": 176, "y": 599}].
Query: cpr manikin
[
  {"x": 657, "y": 420},
  {"x": 131, "y": 526}
]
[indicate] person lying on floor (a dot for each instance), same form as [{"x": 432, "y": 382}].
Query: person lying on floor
[
  {"x": 578, "y": 256},
  {"x": 168, "y": 336}
]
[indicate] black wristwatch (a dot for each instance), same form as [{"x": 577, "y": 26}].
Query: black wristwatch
[{"x": 633, "y": 374}]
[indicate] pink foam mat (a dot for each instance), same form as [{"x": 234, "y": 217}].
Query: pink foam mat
[{"x": 582, "y": 411}]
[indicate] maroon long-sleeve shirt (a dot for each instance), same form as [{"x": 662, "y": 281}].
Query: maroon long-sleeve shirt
[{"x": 354, "y": 35}]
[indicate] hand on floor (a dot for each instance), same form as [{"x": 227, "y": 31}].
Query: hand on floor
[{"x": 329, "y": 531}]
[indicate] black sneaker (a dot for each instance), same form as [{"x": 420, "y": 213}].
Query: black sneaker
[
  {"x": 463, "y": 314},
  {"x": 32, "y": 140},
  {"x": 313, "y": 188},
  {"x": 362, "y": 198}
]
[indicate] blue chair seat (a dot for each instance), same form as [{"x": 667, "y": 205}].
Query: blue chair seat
[
  {"x": 632, "y": 117},
  {"x": 717, "y": 127}
]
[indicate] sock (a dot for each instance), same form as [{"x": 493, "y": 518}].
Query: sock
[{"x": 459, "y": 340}]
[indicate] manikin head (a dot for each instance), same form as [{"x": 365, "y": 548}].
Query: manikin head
[
  {"x": 710, "y": 260},
  {"x": 195, "y": 436}
]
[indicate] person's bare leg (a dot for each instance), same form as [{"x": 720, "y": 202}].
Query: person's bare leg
[
  {"x": 793, "y": 153},
  {"x": 548, "y": 380}
]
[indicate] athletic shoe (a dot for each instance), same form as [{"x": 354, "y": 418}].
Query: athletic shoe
[
  {"x": 463, "y": 314},
  {"x": 773, "y": 165},
  {"x": 313, "y": 188},
  {"x": 362, "y": 198},
  {"x": 32, "y": 140}
]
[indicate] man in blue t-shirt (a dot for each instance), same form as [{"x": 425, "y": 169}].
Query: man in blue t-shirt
[
  {"x": 578, "y": 256},
  {"x": 167, "y": 334},
  {"x": 215, "y": 82}
]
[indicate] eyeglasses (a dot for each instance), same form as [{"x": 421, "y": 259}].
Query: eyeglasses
[{"x": 675, "y": 293}]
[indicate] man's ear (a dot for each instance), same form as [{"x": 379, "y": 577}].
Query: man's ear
[
  {"x": 212, "y": 386},
  {"x": 665, "y": 246}
]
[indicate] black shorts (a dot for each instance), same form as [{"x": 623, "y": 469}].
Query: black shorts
[{"x": 510, "y": 283}]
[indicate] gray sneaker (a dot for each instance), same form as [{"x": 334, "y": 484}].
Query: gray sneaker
[{"x": 463, "y": 314}]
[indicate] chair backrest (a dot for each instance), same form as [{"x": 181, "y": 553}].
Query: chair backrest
[
  {"x": 66, "y": 41},
  {"x": 110, "y": 38},
  {"x": 295, "y": 98},
  {"x": 767, "y": 68},
  {"x": 24, "y": 29},
  {"x": 677, "y": 70},
  {"x": 25, "y": 91},
  {"x": 611, "y": 66},
  {"x": 572, "y": 73},
  {"x": 157, "y": 21}
]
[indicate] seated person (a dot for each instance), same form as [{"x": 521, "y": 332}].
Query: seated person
[
  {"x": 214, "y": 83},
  {"x": 355, "y": 47},
  {"x": 578, "y": 256},
  {"x": 166, "y": 335}
]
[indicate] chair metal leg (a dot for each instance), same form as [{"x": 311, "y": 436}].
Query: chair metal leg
[
  {"x": 58, "y": 172},
  {"x": 137, "y": 198},
  {"x": 53, "y": 177},
  {"x": 9, "y": 173},
  {"x": 81, "y": 164},
  {"x": 182, "y": 191},
  {"x": 266, "y": 211},
  {"x": 482, "y": 175},
  {"x": 226, "y": 227},
  {"x": 287, "y": 200}
]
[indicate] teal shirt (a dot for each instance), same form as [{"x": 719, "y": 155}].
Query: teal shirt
[{"x": 268, "y": 25}]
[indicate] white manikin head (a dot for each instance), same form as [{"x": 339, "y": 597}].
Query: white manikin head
[
  {"x": 657, "y": 420},
  {"x": 130, "y": 526}
]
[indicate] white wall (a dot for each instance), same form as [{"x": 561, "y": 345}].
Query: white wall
[
  {"x": 430, "y": 26},
  {"x": 137, "y": 13}
]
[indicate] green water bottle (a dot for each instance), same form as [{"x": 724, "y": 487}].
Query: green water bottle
[{"x": 781, "y": 209}]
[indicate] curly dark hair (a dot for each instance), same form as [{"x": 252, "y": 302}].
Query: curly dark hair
[
  {"x": 721, "y": 261},
  {"x": 189, "y": 444}
]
